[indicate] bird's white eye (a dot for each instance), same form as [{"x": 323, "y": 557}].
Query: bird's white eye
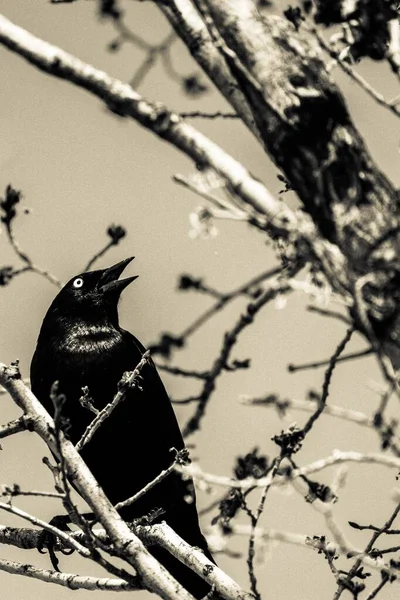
[{"x": 77, "y": 283}]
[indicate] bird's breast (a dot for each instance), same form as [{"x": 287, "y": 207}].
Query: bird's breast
[{"x": 89, "y": 339}]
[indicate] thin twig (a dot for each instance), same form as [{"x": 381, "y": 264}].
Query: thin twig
[
  {"x": 277, "y": 286},
  {"x": 385, "y": 579},
  {"x": 128, "y": 381},
  {"x": 189, "y": 400},
  {"x": 332, "y": 410},
  {"x": 353, "y": 571},
  {"x": 224, "y": 209},
  {"x": 30, "y": 266},
  {"x": 385, "y": 431},
  {"x": 15, "y": 491},
  {"x": 242, "y": 290},
  {"x": 153, "y": 52},
  {"x": 197, "y": 114},
  {"x": 99, "y": 255},
  {"x": 373, "y": 528},
  {"x": 254, "y": 519},
  {"x": 182, "y": 372},
  {"x": 15, "y": 426},
  {"x": 305, "y": 541},
  {"x": 327, "y": 380},
  {"x": 160, "y": 477},
  {"x": 329, "y": 313},
  {"x": 323, "y": 363}
]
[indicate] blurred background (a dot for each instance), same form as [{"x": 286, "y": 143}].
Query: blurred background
[{"x": 82, "y": 168}]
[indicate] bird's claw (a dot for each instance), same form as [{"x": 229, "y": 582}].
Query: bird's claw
[{"x": 50, "y": 542}]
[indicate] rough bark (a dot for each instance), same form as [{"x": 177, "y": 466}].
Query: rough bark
[{"x": 306, "y": 129}]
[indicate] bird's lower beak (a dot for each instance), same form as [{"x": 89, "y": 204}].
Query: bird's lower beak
[{"x": 109, "y": 281}]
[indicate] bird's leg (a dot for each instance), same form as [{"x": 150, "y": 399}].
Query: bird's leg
[{"x": 49, "y": 541}]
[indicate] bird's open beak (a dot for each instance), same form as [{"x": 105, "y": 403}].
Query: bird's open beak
[{"x": 109, "y": 281}]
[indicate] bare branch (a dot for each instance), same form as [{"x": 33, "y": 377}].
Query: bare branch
[
  {"x": 14, "y": 491},
  {"x": 323, "y": 363},
  {"x": 15, "y": 426},
  {"x": 129, "y": 380},
  {"x": 276, "y": 286},
  {"x": 338, "y": 457},
  {"x": 313, "y": 543},
  {"x": 309, "y": 406},
  {"x": 190, "y": 27},
  {"x": 327, "y": 380},
  {"x": 193, "y": 558},
  {"x": 253, "y": 195},
  {"x": 243, "y": 290},
  {"x": 364, "y": 555},
  {"x": 72, "y": 581},
  {"x": 202, "y": 115},
  {"x": 65, "y": 537},
  {"x": 180, "y": 459}
]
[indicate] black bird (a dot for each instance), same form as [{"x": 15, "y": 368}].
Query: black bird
[{"x": 81, "y": 344}]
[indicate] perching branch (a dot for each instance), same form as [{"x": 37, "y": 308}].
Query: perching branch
[{"x": 126, "y": 545}]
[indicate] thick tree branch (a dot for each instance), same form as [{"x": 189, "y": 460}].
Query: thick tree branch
[
  {"x": 190, "y": 27},
  {"x": 164, "y": 536},
  {"x": 160, "y": 534},
  {"x": 121, "y": 98},
  {"x": 307, "y": 130}
]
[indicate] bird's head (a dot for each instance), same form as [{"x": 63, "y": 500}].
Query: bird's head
[{"x": 91, "y": 297}]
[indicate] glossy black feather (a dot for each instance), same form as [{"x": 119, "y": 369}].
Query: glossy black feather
[{"x": 81, "y": 344}]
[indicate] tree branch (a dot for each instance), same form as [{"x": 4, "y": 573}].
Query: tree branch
[
  {"x": 336, "y": 458},
  {"x": 163, "y": 535},
  {"x": 190, "y": 27},
  {"x": 72, "y": 581},
  {"x": 121, "y": 98}
]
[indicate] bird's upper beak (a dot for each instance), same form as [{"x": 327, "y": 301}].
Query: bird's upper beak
[{"x": 109, "y": 282}]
